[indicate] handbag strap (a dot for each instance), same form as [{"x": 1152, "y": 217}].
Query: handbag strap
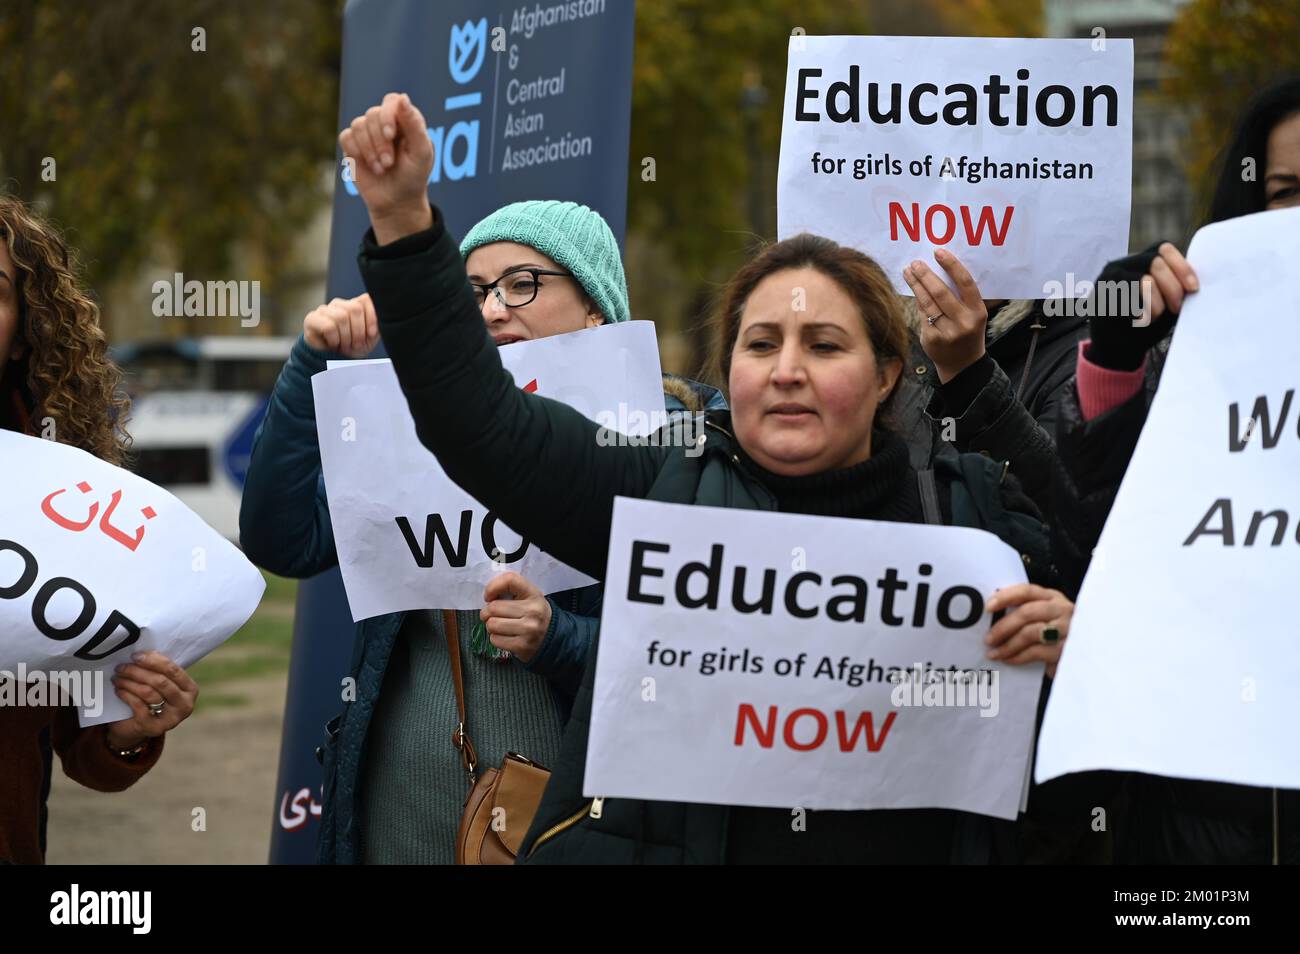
[{"x": 459, "y": 737}]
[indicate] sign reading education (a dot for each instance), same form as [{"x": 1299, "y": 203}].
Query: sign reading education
[
  {"x": 97, "y": 563},
  {"x": 1015, "y": 155},
  {"x": 1183, "y": 657},
  {"x": 787, "y": 661},
  {"x": 407, "y": 536}
]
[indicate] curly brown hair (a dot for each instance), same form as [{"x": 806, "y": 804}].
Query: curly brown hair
[{"x": 65, "y": 374}]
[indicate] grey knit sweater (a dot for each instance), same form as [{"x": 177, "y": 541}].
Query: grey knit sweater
[{"x": 414, "y": 786}]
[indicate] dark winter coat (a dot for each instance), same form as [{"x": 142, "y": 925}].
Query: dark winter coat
[{"x": 539, "y": 464}]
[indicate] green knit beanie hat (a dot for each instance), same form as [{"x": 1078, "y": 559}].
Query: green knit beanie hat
[{"x": 576, "y": 237}]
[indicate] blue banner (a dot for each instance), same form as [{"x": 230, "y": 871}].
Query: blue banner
[{"x": 522, "y": 101}]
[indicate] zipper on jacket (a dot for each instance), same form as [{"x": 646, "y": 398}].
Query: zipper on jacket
[
  {"x": 1037, "y": 328},
  {"x": 720, "y": 429},
  {"x": 735, "y": 459},
  {"x": 594, "y": 808}
]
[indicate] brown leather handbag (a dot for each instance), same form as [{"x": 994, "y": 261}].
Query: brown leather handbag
[{"x": 501, "y": 804}]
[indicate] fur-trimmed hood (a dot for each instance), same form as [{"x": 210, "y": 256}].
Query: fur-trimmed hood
[{"x": 693, "y": 396}]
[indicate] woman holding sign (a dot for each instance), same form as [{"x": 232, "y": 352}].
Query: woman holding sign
[
  {"x": 1172, "y": 821},
  {"x": 394, "y": 785},
  {"x": 1118, "y": 367},
  {"x": 56, "y": 381},
  {"x": 809, "y": 389}
]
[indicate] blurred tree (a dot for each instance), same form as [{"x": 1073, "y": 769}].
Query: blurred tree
[
  {"x": 709, "y": 74},
  {"x": 1022, "y": 18},
  {"x": 699, "y": 62},
  {"x": 707, "y": 100},
  {"x": 1220, "y": 53},
  {"x": 158, "y": 144},
  {"x": 708, "y": 87}
]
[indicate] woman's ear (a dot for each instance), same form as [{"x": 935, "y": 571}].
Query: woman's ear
[
  {"x": 889, "y": 374},
  {"x": 594, "y": 317}
]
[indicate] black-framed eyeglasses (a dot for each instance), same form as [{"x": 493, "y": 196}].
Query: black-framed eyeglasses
[{"x": 517, "y": 288}]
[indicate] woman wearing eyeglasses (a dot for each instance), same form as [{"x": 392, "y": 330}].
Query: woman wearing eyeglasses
[{"x": 394, "y": 785}]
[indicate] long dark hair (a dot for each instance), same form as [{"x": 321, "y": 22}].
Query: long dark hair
[{"x": 1233, "y": 196}]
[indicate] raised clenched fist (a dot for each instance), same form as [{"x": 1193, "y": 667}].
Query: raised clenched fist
[
  {"x": 391, "y": 158},
  {"x": 345, "y": 326}
]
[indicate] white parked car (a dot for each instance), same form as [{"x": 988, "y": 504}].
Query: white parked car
[{"x": 196, "y": 404}]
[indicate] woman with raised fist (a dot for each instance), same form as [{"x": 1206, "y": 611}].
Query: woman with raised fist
[
  {"x": 394, "y": 785},
  {"x": 808, "y": 434}
]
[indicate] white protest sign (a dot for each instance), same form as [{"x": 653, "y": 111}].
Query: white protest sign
[
  {"x": 407, "y": 536},
  {"x": 97, "y": 564},
  {"x": 1015, "y": 155},
  {"x": 788, "y": 661},
  {"x": 1183, "y": 657}
]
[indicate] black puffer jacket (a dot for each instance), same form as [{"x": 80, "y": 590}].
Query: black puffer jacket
[
  {"x": 1005, "y": 405},
  {"x": 540, "y": 465}
]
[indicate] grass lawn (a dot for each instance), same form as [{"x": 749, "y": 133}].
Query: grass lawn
[{"x": 259, "y": 648}]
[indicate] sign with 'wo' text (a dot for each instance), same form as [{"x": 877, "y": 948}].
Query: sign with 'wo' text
[
  {"x": 1015, "y": 155},
  {"x": 407, "y": 536},
  {"x": 522, "y": 102},
  {"x": 784, "y": 661}
]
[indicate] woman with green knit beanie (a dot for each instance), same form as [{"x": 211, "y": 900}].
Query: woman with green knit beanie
[{"x": 394, "y": 785}]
